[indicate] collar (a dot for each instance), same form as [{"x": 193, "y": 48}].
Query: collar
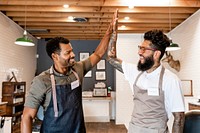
[
  {"x": 156, "y": 71},
  {"x": 53, "y": 71}
]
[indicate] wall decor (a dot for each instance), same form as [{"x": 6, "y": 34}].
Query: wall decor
[
  {"x": 88, "y": 74},
  {"x": 101, "y": 65},
  {"x": 101, "y": 75},
  {"x": 187, "y": 87},
  {"x": 83, "y": 55}
]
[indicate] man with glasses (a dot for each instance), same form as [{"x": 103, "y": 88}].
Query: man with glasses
[{"x": 157, "y": 91}]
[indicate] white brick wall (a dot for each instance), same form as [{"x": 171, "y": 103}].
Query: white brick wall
[
  {"x": 127, "y": 47},
  {"x": 20, "y": 59},
  {"x": 186, "y": 35}
]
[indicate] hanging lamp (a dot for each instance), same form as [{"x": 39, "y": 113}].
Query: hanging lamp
[
  {"x": 24, "y": 41},
  {"x": 172, "y": 46}
]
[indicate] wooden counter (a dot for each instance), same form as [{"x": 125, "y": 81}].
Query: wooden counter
[
  {"x": 3, "y": 108},
  {"x": 194, "y": 105}
]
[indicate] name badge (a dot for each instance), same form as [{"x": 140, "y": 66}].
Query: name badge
[
  {"x": 74, "y": 84},
  {"x": 153, "y": 91}
]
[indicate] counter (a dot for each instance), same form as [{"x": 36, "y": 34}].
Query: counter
[
  {"x": 194, "y": 105},
  {"x": 96, "y": 109}
]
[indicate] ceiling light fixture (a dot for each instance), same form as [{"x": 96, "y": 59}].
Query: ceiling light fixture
[
  {"x": 172, "y": 46},
  {"x": 80, "y": 19},
  {"x": 131, "y": 7},
  {"x": 70, "y": 17},
  {"x": 123, "y": 26},
  {"x": 24, "y": 41},
  {"x": 66, "y": 6},
  {"x": 126, "y": 18}
]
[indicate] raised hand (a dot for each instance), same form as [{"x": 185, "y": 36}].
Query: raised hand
[{"x": 111, "y": 52}]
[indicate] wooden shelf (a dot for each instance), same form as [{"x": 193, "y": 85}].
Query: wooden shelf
[
  {"x": 3, "y": 108},
  {"x": 14, "y": 94}
]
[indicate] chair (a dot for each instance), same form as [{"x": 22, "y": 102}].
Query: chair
[{"x": 192, "y": 122}]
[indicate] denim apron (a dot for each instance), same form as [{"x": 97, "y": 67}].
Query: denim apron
[
  {"x": 64, "y": 113},
  {"x": 149, "y": 114}
]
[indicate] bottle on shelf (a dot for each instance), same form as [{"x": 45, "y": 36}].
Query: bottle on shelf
[{"x": 109, "y": 91}]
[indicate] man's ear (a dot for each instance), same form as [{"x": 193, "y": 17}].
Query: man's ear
[
  {"x": 54, "y": 56},
  {"x": 157, "y": 54}
]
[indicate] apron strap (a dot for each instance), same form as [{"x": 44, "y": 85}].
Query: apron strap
[
  {"x": 53, "y": 84},
  {"x": 161, "y": 79},
  {"x": 138, "y": 78},
  {"x": 76, "y": 75}
]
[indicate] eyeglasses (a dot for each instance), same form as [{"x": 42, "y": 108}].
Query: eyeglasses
[{"x": 143, "y": 49}]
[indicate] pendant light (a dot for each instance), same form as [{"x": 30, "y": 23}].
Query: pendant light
[
  {"x": 24, "y": 41},
  {"x": 172, "y": 46}
]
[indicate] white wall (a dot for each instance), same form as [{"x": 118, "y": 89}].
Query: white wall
[
  {"x": 186, "y": 35},
  {"x": 20, "y": 59},
  {"x": 127, "y": 46}
]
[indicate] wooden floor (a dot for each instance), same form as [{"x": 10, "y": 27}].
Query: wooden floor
[
  {"x": 104, "y": 127},
  {"x": 93, "y": 127}
]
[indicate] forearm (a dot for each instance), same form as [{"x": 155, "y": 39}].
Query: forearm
[
  {"x": 179, "y": 119},
  {"x": 116, "y": 63},
  {"x": 102, "y": 47},
  {"x": 100, "y": 50},
  {"x": 26, "y": 125}
]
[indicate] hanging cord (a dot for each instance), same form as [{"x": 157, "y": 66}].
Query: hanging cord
[
  {"x": 25, "y": 17},
  {"x": 170, "y": 21}
]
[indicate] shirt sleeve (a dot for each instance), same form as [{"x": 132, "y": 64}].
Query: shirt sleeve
[
  {"x": 36, "y": 94},
  {"x": 173, "y": 95},
  {"x": 130, "y": 72},
  {"x": 87, "y": 66}
]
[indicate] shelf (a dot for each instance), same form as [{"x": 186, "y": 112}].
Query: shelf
[
  {"x": 14, "y": 94},
  {"x": 17, "y": 114},
  {"x": 15, "y": 104}
]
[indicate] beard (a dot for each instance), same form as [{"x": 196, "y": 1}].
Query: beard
[{"x": 148, "y": 63}]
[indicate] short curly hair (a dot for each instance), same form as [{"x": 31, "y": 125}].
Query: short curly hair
[
  {"x": 53, "y": 45},
  {"x": 159, "y": 40}
]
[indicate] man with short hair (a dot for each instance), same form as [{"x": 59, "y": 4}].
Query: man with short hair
[{"x": 59, "y": 88}]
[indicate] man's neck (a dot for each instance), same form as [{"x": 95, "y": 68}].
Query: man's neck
[
  {"x": 154, "y": 67},
  {"x": 62, "y": 70}
]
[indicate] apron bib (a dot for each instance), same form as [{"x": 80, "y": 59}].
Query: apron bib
[
  {"x": 149, "y": 115},
  {"x": 64, "y": 113}
]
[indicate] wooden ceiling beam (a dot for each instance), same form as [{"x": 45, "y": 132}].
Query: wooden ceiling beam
[
  {"x": 96, "y": 9},
  {"x": 174, "y": 3},
  {"x": 94, "y": 24},
  {"x": 135, "y": 20},
  {"x": 95, "y": 15},
  {"x": 89, "y": 28}
]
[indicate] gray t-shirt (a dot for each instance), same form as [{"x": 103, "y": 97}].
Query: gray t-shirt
[{"x": 40, "y": 91}]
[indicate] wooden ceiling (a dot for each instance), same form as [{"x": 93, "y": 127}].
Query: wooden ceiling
[{"x": 48, "y": 18}]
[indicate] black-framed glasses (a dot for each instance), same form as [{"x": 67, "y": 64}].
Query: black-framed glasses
[{"x": 143, "y": 49}]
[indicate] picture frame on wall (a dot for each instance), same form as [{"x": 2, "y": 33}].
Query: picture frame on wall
[
  {"x": 83, "y": 55},
  {"x": 101, "y": 75},
  {"x": 101, "y": 65},
  {"x": 88, "y": 74},
  {"x": 187, "y": 87}
]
